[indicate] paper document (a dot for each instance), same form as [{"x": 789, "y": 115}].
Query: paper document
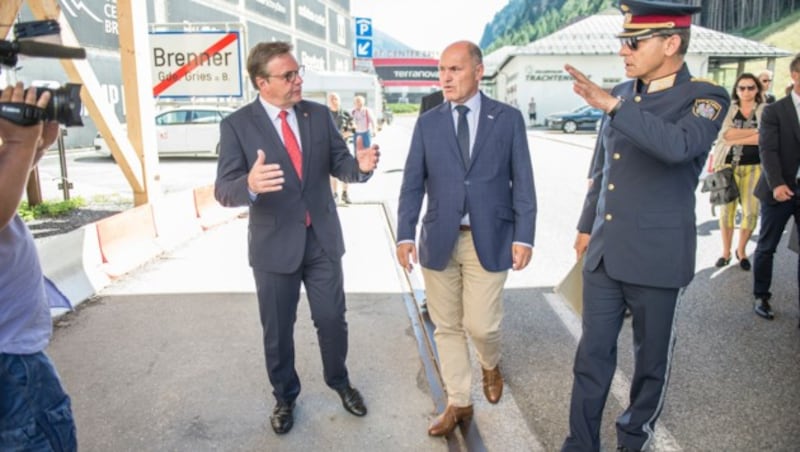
[{"x": 571, "y": 287}]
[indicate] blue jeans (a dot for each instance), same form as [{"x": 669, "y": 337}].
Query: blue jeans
[{"x": 35, "y": 413}]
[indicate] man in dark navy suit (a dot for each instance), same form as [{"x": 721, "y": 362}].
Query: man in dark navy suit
[
  {"x": 431, "y": 100},
  {"x": 637, "y": 228},
  {"x": 276, "y": 156},
  {"x": 779, "y": 187}
]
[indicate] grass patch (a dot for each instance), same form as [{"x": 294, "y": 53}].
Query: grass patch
[
  {"x": 49, "y": 209},
  {"x": 400, "y": 109}
]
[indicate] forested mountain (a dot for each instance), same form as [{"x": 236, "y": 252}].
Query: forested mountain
[
  {"x": 734, "y": 15},
  {"x": 523, "y": 21}
]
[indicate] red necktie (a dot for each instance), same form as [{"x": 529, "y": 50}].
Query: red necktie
[{"x": 290, "y": 141}]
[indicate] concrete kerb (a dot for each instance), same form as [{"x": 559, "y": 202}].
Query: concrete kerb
[{"x": 86, "y": 260}]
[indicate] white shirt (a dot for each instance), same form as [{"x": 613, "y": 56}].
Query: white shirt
[
  {"x": 474, "y": 105},
  {"x": 274, "y": 115}
]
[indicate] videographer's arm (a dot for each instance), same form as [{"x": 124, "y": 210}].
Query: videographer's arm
[{"x": 21, "y": 149}]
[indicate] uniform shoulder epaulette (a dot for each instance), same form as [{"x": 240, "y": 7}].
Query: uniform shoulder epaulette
[{"x": 704, "y": 80}]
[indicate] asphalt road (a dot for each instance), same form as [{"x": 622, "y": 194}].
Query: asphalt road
[
  {"x": 735, "y": 381},
  {"x": 735, "y": 384},
  {"x": 95, "y": 178}
]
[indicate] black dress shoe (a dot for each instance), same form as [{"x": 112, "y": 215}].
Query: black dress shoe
[
  {"x": 763, "y": 309},
  {"x": 352, "y": 401},
  {"x": 282, "y": 418},
  {"x": 744, "y": 262},
  {"x": 722, "y": 261}
]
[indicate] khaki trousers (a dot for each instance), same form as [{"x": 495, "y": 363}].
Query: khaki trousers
[{"x": 464, "y": 299}]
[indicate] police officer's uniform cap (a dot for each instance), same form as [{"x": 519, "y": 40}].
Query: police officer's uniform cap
[{"x": 647, "y": 17}]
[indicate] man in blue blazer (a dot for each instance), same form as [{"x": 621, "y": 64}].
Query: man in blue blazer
[
  {"x": 276, "y": 156},
  {"x": 779, "y": 185},
  {"x": 470, "y": 156},
  {"x": 637, "y": 228}
]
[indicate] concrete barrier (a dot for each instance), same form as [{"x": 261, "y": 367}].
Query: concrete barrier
[
  {"x": 127, "y": 240},
  {"x": 86, "y": 260},
  {"x": 209, "y": 211},
  {"x": 176, "y": 220},
  {"x": 73, "y": 262}
]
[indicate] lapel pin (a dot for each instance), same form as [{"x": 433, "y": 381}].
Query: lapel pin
[{"x": 490, "y": 116}]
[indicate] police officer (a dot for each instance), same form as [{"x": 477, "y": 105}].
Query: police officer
[{"x": 637, "y": 227}]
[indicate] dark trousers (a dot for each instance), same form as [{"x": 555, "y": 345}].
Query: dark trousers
[
  {"x": 773, "y": 221},
  {"x": 653, "y": 313},
  {"x": 278, "y": 296}
]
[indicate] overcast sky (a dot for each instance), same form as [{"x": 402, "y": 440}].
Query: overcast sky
[{"x": 429, "y": 24}]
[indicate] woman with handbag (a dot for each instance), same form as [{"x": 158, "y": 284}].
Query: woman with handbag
[{"x": 737, "y": 147}]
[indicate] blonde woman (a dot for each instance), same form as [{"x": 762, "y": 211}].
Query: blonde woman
[
  {"x": 363, "y": 120},
  {"x": 738, "y": 138}
]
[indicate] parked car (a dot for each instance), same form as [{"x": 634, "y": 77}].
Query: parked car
[
  {"x": 186, "y": 130},
  {"x": 584, "y": 117}
]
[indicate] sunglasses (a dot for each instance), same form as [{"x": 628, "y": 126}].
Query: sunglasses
[
  {"x": 632, "y": 42},
  {"x": 290, "y": 76},
  {"x": 746, "y": 87}
]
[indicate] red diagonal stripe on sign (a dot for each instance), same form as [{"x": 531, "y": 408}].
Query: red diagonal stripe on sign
[{"x": 190, "y": 66}]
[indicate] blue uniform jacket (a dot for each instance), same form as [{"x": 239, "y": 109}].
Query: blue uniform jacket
[{"x": 640, "y": 207}]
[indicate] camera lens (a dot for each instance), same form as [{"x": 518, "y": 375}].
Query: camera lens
[{"x": 65, "y": 104}]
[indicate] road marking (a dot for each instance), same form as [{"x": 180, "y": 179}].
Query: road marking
[{"x": 664, "y": 441}]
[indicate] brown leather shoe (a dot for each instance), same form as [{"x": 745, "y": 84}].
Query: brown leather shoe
[
  {"x": 492, "y": 384},
  {"x": 445, "y": 423}
]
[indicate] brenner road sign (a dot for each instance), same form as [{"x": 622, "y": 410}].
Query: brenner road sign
[{"x": 196, "y": 64}]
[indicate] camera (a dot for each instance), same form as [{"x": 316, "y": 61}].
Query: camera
[
  {"x": 64, "y": 105},
  {"x": 65, "y": 102}
]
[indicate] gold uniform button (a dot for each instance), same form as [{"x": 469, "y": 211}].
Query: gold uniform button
[
  {"x": 616, "y": 156},
  {"x": 637, "y": 99},
  {"x": 608, "y": 217},
  {"x": 611, "y": 187}
]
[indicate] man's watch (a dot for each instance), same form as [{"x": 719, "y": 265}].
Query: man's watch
[{"x": 616, "y": 107}]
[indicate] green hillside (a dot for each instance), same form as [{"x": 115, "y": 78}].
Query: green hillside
[{"x": 784, "y": 34}]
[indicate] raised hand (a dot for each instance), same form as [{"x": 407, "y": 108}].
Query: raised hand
[
  {"x": 367, "y": 157},
  {"x": 264, "y": 177},
  {"x": 593, "y": 94}
]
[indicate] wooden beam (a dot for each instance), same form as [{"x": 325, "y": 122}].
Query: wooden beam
[
  {"x": 101, "y": 112},
  {"x": 137, "y": 86},
  {"x": 8, "y": 13}
]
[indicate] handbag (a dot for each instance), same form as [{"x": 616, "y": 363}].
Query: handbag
[
  {"x": 721, "y": 187},
  {"x": 720, "y": 184}
]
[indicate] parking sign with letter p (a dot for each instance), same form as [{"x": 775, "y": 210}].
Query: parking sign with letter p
[{"x": 363, "y": 27}]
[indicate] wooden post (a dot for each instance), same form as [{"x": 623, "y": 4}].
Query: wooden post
[
  {"x": 137, "y": 85},
  {"x": 132, "y": 161}
]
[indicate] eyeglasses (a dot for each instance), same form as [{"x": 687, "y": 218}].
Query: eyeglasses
[
  {"x": 766, "y": 80},
  {"x": 290, "y": 76},
  {"x": 746, "y": 87},
  {"x": 633, "y": 41}
]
